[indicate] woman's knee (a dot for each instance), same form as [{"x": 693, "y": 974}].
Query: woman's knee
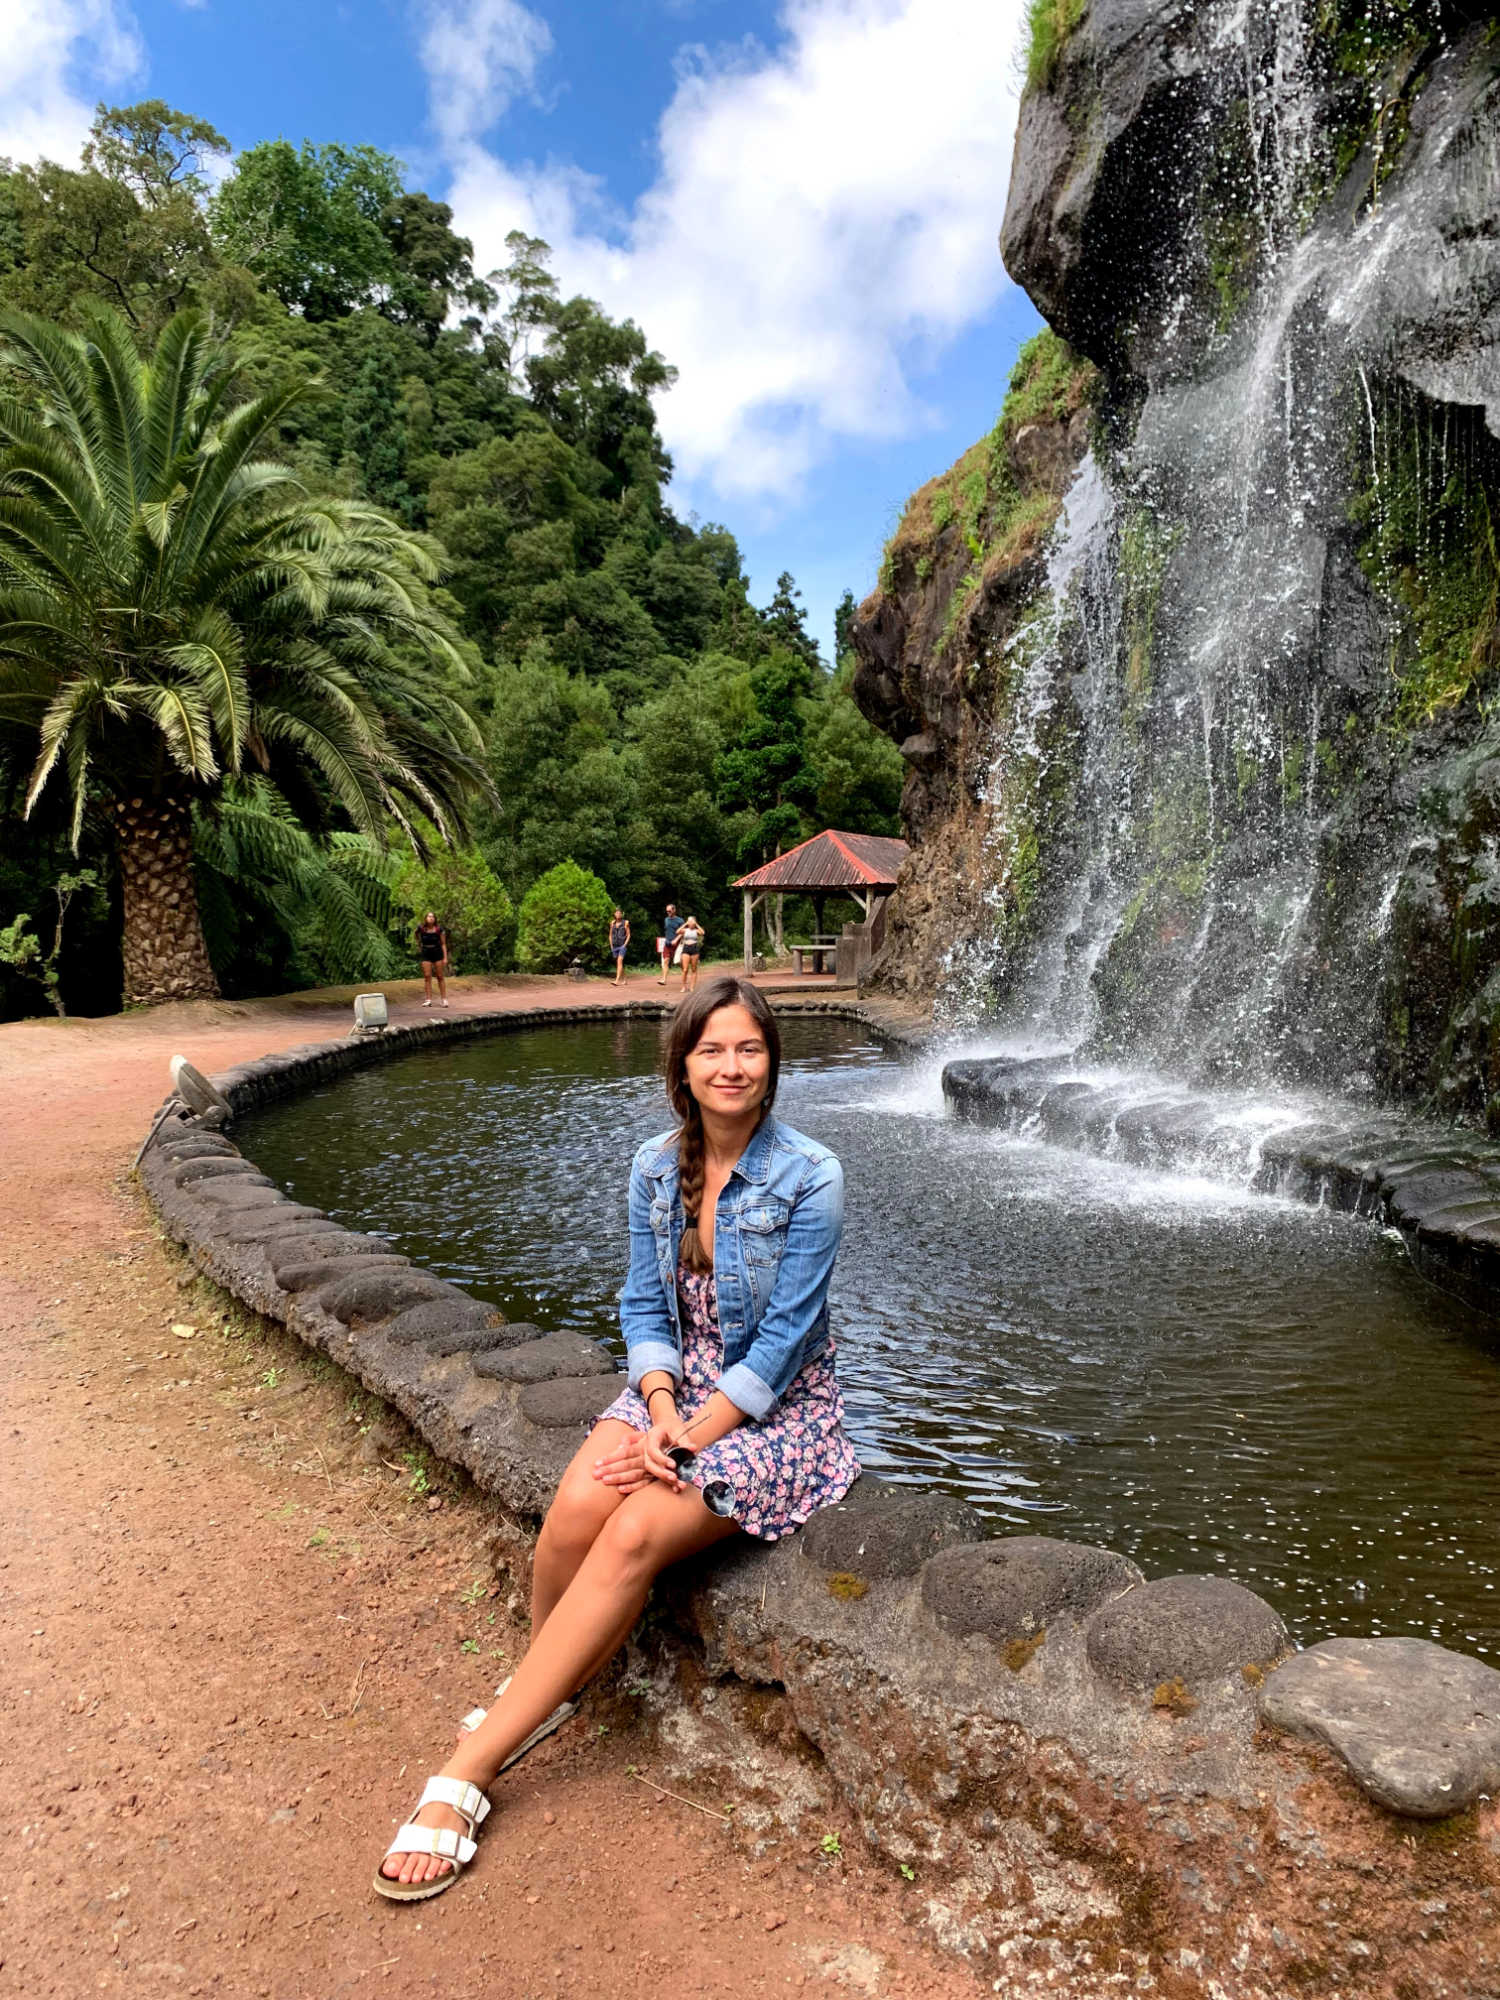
[{"x": 575, "y": 1517}]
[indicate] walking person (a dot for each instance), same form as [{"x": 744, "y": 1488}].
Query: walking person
[
  {"x": 691, "y": 941},
  {"x": 731, "y": 1423},
  {"x": 619, "y": 937},
  {"x": 666, "y": 944},
  {"x": 432, "y": 949}
]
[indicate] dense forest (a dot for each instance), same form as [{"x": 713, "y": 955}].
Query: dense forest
[{"x": 373, "y": 584}]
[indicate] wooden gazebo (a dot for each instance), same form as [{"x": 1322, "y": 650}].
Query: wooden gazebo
[{"x": 863, "y": 866}]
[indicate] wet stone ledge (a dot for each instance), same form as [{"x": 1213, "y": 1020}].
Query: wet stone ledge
[
  {"x": 1440, "y": 1189},
  {"x": 1091, "y": 1775}
]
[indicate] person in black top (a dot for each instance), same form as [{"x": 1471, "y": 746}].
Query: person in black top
[
  {"x": 666, "y": 944},
  {"x": 432, "y": 949},
  {"x": 619, "y": 937}
]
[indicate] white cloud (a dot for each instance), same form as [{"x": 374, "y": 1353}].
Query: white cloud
[
  {"x": 822, "y": 223},
  {"x": 478, "y": 55},
  {"x": 57, "y": 57}
]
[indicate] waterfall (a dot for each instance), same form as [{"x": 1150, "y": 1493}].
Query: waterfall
[{"x": 1194, "y": 860}]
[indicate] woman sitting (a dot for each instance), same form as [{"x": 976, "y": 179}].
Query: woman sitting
[{"x": 732, "y": 1422}]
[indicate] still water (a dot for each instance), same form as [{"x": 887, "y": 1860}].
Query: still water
[{"x": 1204, "y": 1378}]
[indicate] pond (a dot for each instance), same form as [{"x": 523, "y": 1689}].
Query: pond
[{"x": 1204, "y": 1378}]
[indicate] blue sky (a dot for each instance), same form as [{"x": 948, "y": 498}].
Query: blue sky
[{"x": 798, "y": 202}]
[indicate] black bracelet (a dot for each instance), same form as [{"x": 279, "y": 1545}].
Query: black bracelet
[{"x": 661, "y": 1389}]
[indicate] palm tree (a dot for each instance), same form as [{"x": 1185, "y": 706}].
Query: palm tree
[{"x": 175, "y": 610}]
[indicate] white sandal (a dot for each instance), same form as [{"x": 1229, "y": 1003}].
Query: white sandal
[
  {"x": 563, "y": 1711},
  {"x": 441, "y": 1842}
]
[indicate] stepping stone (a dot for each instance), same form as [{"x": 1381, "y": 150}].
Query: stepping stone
[
  {"x": 1190, "y": 1629},
  {"x": 550, "y": 1358},
  {"x": 1013, "y": 1588},
  {"x": 880, "y": 1529},
  {"x": 1417, "y": 1725}
]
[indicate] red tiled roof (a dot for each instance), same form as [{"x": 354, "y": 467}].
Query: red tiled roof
[{"x": 832, "y": 861}]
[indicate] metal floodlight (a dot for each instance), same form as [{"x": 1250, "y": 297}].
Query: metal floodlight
[
  {"x": 196, "y": 1092},
  {"x": 370, "y": 1017}
]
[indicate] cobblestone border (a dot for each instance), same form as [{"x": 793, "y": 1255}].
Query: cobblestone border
[{"x": 1030, "y": 1722}]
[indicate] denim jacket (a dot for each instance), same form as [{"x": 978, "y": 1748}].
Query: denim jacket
[{"x": 776, "y": 1234}]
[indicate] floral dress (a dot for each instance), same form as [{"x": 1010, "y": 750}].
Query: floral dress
[{"x": 779, "y": 1471}]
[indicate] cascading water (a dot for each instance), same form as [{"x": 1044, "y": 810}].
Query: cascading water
[{"x": 1200, "y": 845}]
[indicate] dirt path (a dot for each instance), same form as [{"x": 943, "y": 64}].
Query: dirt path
[{"x": 228, "y": 1622}]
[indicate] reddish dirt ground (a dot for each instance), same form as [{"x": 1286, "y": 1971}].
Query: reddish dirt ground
[{"x": 232, "y": 1638}]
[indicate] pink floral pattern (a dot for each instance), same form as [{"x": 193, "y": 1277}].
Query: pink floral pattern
[{"x": 779, "y": 1471}]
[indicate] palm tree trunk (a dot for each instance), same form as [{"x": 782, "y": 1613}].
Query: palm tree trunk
[{"x": 165, "y": 955}]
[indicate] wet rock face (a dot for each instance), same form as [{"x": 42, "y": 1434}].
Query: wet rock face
[
  {"x": 1244, "y": 816},
  {"x": 1418, "y": 1726}
]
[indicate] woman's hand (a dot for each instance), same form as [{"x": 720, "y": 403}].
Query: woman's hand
[
  {"x": 655, "y": 1445},
  {"x": 625, "y": 1469}
]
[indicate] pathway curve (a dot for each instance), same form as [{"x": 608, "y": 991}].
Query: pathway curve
[{"x": 227, "y": 1622}]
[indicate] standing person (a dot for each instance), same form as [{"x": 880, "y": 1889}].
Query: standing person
[
  {"x": 692, "y": 948},
  {"x": 619, "y": 937},
  {"x": 432, "y": 949},
  {"x": 732, "y": 1422},
  {"x": 666, "y": 944}
]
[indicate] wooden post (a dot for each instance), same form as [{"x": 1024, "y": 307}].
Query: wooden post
[{"x": 749, "y": 932}]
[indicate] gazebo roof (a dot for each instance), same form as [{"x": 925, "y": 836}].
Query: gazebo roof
[{"x": 832, "y": 861}]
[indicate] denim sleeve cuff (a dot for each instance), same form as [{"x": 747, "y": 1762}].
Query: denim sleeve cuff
[
  {"x": 646, "y": 1355},
  {"x": 747, "y": 1392}
]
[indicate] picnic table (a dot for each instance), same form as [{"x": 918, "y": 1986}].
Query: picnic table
[{"x": 817, "y": 948}]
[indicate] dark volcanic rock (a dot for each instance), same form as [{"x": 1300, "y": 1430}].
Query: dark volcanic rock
[
  {"x": 422, "y": 1323},
  {"x": 369, "y": 1296},
  {"x": 1184, "y": 1628},
  {"x": 1418, "y": 1726},
  {"x": 215, "y": 1166},
  {"x": 885, "y": 1530},
  {"x": 241, "y": 1192},
  {"x": 294, "y": 1276},
  {"x": 264, "y": 1225},
  {"x": 570, "y": 1400},
  {"x": 553, "y": 1356},
  {"x": 331, "y": 1244},
  {"x": 1014, "y": 1587}
]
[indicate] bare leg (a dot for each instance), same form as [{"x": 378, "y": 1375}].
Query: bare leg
[
  {"x": 589, "y": 1622},
  {"x": 442, "y": 980},
  {"x": 580, "y": 1507},
  {"x": 426, "y": 982}
]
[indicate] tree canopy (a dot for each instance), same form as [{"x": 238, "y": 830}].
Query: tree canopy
[{"x": 488, "y": 439}]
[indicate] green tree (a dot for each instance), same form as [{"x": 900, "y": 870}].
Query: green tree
[
  {"x": 434, "y": 268},
  {"x": 128, "y": 227},
  {"x": 784, "y": 619},
  {"x": 470, "y": 900},
  {"x": 857, "y": 771},
  {"x": 174, "y": 611},
  {"x": 309, "y": 221},
  {"x": 765, "y": 773},
  {"x": 564, "y": 916}
]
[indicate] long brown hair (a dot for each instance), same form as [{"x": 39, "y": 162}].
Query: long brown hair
[{"x": 688, "y": 1023}]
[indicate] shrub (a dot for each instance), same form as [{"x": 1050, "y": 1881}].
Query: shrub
[
  {"x": 564, "y": 916},
  {"x": 470, "y": 901}
]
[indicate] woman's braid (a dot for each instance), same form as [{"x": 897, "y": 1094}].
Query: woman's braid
[{"x": 690, "y": 1164}]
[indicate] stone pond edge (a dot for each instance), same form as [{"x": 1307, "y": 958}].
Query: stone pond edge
[{"x": 919, "y": 1655}]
